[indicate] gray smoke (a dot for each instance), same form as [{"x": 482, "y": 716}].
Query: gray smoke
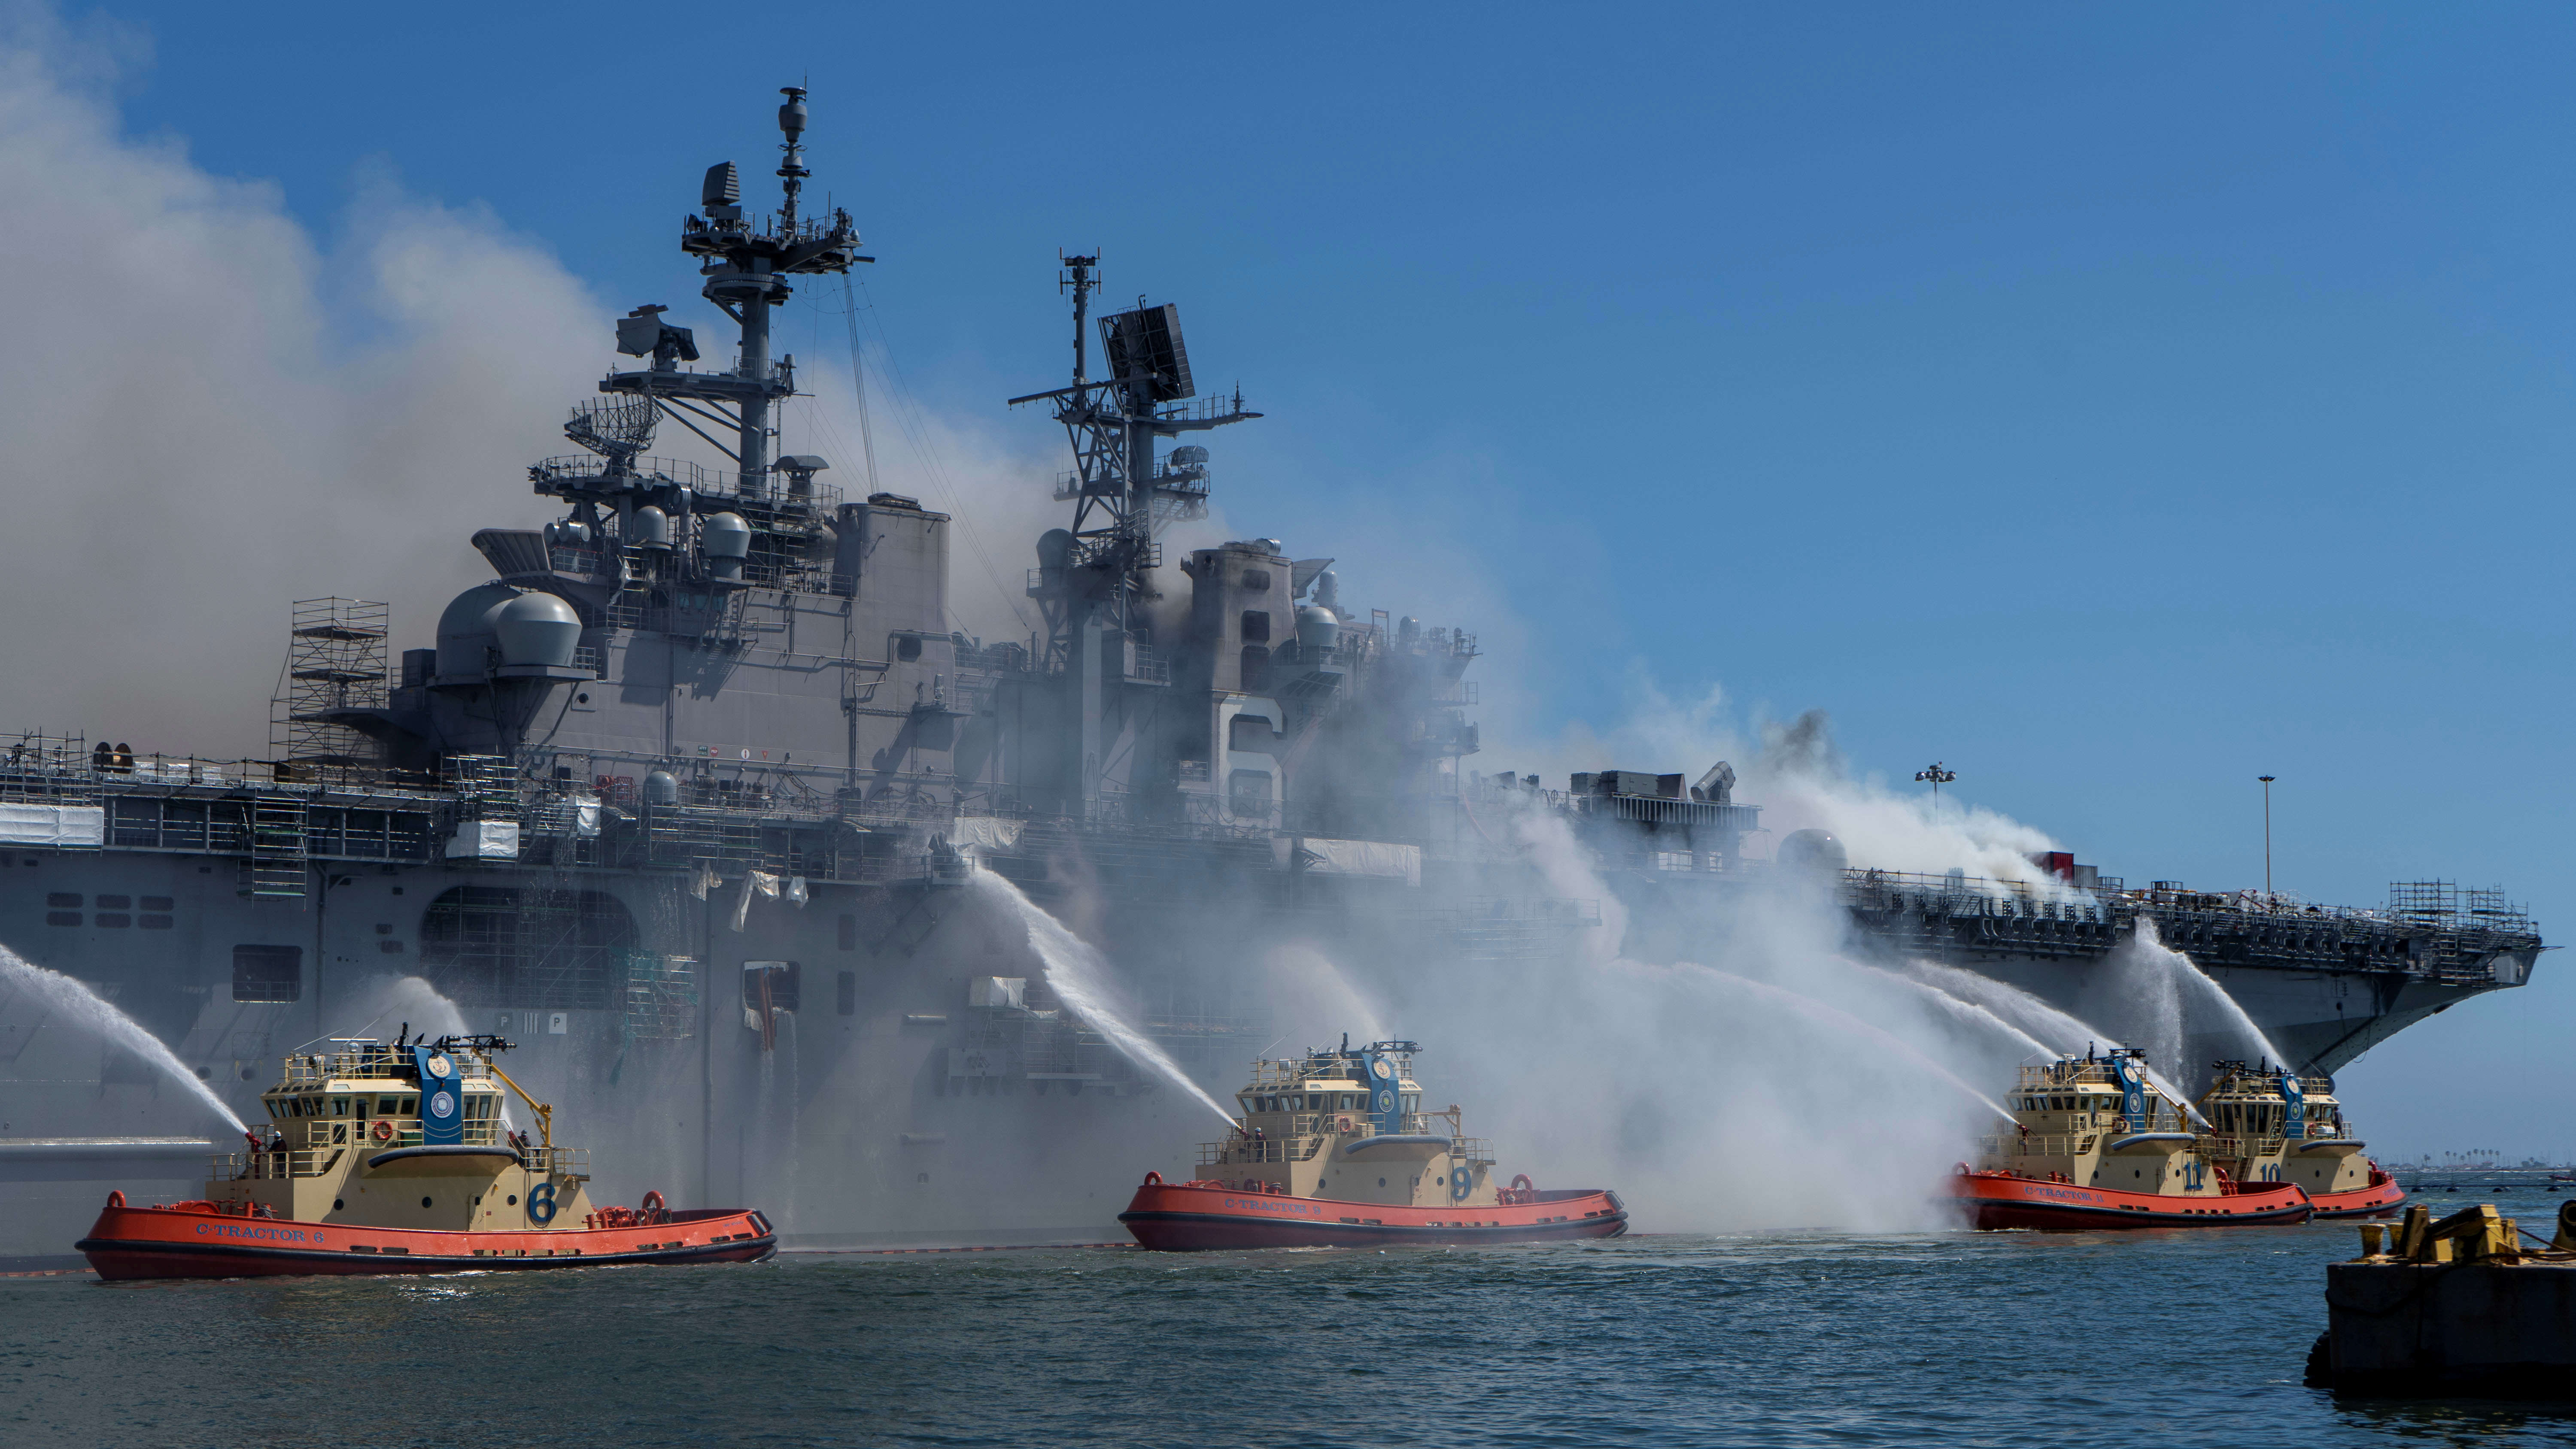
[{"x": 210, "y": 411}]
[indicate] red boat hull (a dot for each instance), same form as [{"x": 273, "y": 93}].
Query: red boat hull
[
  {"x": 2002, "y": 1200},
  {"x": 187, "y": 1242},
  {"x": 2378, "y": 1200},
  {"x": 1191, "y": 1217}
]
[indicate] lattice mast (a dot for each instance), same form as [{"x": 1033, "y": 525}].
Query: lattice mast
[
  {"x": 1121, "y": 497},
  {"x": 1094, "y": 578},
  {"x": 746, "y": 261},
  {"x": 335, "y": 663}
]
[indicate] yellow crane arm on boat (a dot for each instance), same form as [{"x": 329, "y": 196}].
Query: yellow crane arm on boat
[{"x": 545, "y": 1114}]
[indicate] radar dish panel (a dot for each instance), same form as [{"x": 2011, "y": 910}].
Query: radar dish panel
[
  {"x": 1148, "y": 340},
  {"x": 618, "y": 430}
]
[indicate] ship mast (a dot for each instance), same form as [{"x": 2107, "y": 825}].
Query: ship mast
[
  {"x": 1094, "y": 580},
  {"x": 746, "y": 262}
]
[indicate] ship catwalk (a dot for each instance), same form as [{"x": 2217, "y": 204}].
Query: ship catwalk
[{"x": 685, "y": 797}]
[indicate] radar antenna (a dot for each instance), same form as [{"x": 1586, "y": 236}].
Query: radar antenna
[
  {"x": 1121, "y": 495},
  {"x": 614, "y": 429},
  {"x": 747, "y": 261}
]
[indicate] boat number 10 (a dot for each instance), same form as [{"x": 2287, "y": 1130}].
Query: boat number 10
[{"x": 541, "y": 1204}]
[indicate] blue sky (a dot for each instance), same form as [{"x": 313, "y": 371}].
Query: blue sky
[{"x": 2116, "y": 406}]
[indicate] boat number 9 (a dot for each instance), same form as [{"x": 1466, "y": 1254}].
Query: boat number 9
[
  {"x": 541, "y": 1204},
  {"x": 1460, "y": 1180}
]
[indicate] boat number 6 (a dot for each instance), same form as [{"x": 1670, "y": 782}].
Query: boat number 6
[{"x": 541, "y": 1204}]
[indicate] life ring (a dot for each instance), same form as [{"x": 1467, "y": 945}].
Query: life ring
[
  {"x": 383, "y": 1131},
  {"x": 1341, "y": 1124},
  {"x": 115, "y": 1197},
  {"x": 651, "y": 1207},
  {"x": 1153, "y": 1179}
]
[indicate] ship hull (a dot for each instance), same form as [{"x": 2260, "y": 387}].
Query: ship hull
[
  {"x": 2378, "y": 1200},
  {"x": 1995, "y": 1200},
  {"x": 1192, "y": 1217},
  {"x": 179, "y": 1242}
]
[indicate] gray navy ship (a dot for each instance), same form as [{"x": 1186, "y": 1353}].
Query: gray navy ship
[{"x": 691, "y": 799}]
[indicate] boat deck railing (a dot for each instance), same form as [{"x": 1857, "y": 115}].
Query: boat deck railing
[
  {"x": 2039, "y": 1144},
  {"x": 2238, "y": 1144},
  {"x": 292, "y": 1162},
  {"x": 385, "y": 1064},
  {"x": 1306, "y": 1137}
]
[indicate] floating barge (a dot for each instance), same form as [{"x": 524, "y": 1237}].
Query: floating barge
[{"x": 2468, "y": 1306}]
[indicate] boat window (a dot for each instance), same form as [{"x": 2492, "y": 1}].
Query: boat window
[
  {"x": 409, "y": 1105},
  {"x": 339, "y": 1106},
  {"x": 388, "y": 1107}
]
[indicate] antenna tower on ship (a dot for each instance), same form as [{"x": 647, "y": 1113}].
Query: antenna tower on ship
[
  {"x": 746, "y": 261},
  {"x": 1094, "y": 577}
]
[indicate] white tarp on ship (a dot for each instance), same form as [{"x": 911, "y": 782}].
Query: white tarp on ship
[
  {"x": 65, "y": 825},
  {"x": 484, "y": 840},
  {"x": 987, "y": 831},
  {"x": 1385, "y": 860}
]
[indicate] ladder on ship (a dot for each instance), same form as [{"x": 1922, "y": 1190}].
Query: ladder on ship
[{"x": 276, "y": 867}]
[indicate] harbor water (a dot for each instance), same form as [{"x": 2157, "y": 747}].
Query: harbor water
[{"x": 2151, "y": 1338}]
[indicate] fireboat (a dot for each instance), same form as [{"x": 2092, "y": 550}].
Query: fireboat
[
  {"x": 397, "y": 1157},
  {"x": 1334, "y": 1150}
]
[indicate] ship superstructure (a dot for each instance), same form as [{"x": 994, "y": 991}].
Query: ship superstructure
[{"x": 675, "y": 799}]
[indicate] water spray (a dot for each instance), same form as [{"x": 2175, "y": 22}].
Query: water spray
[
  {"x": 1080, "y": 977},
  {"x": 87, "y": 1007}
]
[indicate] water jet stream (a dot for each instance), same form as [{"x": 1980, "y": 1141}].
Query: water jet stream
[
  {"x": 1967, "y": 1011},
  {"x": 2187, "y": 975},
  {"x": 2070, "y": 1029},
  {"x": 62, "y": 993},
  {"x": 1080, "y": 977},
  {"x": 1818, "y": 1011}
]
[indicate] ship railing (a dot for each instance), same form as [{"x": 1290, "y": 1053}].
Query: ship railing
[
  {"x": 2238, "y": 1144},
  {"x": 2057, "y": 1076},
  {"x": 567, "y": 1161},
  {"x": 2041, "y": 1144},
  {"x": 317, "y": 1069},
  {"x": 277, "y": 1166}
]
